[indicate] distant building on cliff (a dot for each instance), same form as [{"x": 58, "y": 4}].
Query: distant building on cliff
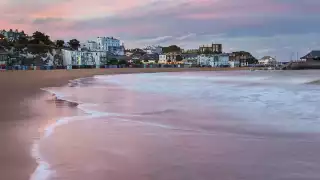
[
  {"x": 107, "y": 44},
  {"x": 111, "y": 45},
  {"x": 213, "y": 48}
]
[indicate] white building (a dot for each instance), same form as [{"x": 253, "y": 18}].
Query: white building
[
  {"x": 162, "y": 59},
  {"x": 91, "y": 45},
  {"x": 153, "y": 50},
  {"x": 190, "y": 58},
  {"x": 110, "y": 44},
  {"x": 234, "y": 63},
  {"x": 72, "y": 57},
  {"x": 267, "y": 60},
  {"x": 170, "y": 58},
  {"x": 213, "y": 60}
]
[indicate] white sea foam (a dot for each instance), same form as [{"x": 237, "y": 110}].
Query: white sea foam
[{"x": 43, "y": 170}]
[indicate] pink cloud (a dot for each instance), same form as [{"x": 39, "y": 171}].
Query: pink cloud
[{"x": 83, "y": 19}]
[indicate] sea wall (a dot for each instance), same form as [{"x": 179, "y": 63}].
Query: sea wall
[{"x": 303, "y": 65}]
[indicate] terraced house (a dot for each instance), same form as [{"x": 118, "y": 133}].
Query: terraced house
[
  {"x": 12, "y": 35},
  {"x": 4, "y": 56}
]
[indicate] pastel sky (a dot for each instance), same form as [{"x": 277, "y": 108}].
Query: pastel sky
[{"x": 280, "y": 28}]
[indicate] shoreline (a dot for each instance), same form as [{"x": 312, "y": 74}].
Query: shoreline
[{"x": 16, "y": 90}]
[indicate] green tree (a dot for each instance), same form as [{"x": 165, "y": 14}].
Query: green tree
[
  {"x": 60, "y": 43},
  {"x": 138, "y": 62},
  {"x": 22, "y": 40},
  {"x": 171, "y": 48},
  {"x": 179, "y": 58},
  {"x": 122, "y": 62},
  {"x": 113, "y": 61},
  {"x": 74, "y": 43},
  {"x": 41, "y": 38}
]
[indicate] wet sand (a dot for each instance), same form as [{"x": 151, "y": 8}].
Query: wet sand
[{"x": 19, "y": 121}]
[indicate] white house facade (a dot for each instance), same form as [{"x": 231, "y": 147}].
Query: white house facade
[
  {"x": 71, "y": 57},
  {"x": 213, "y": 60},
  {"x": 235, "y": 63},
  {"x": 267, "y": 60},
  {"x": 12, "y": 35},
  {"x": 162, "y": 59},
  {"x": 110, "y": 44},
  {"x": 91, "y": 45},
  {"x": 190, "y": 58}
]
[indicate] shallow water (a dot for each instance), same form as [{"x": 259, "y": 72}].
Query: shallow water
[{"x": 199, "y": 125}]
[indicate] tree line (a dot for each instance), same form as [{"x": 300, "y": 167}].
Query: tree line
[{"x": 37, "y": 39}]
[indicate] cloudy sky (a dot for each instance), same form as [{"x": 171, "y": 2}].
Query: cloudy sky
[{"x": 280, "y": 28}]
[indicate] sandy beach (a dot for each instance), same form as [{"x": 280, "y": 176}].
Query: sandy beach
[{"x": 17, "y": 89}]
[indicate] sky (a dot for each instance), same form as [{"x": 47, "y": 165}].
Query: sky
[{"x": 281, "y": 28}]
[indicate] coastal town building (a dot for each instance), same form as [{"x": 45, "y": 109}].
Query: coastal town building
[
  {"x": 150, "y": 58},
  {"x": 214, "y": 60},
  {"x": 213, "y": 48},
  {"x": 312, "y": 57},
  {"x": 190, "y": 59},
  {"x": 162, "y": 59},
  {"x": 91, "y": 45},
  {"x": 83, "y": 57},
  {"x": 170, "y": 58},
  {"x": 234, "y": 63},
  {"x": 136, "y": 57},
  {"x": 106, "y": 44},
  {"x": 111, "y": 45},
  {"x": 267, "y": 61},
  {"x": 12, "y": 35},
  {"x": 243, "y": 57},
  {"x": 4, "y": 56}
]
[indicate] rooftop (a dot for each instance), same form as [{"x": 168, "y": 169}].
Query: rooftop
[
  {"x": 109, "y": 38},
  {"x": 312, "y": 54},
  {"x": 267, "y": 57}
]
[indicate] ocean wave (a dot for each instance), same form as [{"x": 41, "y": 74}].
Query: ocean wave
[
  {"x": 316, "y": 82},
  {"x": 43, "y": 171}
]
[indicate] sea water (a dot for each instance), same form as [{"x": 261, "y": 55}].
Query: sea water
[{"x": 193, "y": 125}]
